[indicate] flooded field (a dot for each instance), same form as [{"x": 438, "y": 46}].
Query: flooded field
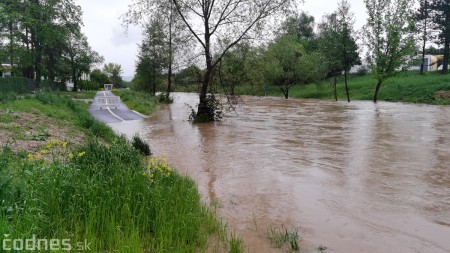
[{"x": 355, "y": 177}]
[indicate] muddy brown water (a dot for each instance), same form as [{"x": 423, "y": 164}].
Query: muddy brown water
[{"x": 355, "y": 177}]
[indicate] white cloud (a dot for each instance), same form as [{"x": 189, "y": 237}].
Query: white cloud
[{"x": 103, "y": 27}]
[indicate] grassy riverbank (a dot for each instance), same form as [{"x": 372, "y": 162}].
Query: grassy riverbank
[
  {"x": 66, "y": 176},
  {"x": 406, "y": 87},
  {"x": 138, "y": 101}
]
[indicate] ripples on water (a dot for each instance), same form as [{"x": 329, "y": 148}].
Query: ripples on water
[{"x": 355, "y": 177}]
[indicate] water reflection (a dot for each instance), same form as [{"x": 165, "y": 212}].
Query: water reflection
[{"x": 355, "y": 177}]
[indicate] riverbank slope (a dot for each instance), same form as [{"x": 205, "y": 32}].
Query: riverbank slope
[
  {"x": 66, "y": 176},
  {"x": 411, "y": 87}
]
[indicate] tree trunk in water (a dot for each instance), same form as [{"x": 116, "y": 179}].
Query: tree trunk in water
[
  {"x": 375, "y": 98},
  {"x": 335, "y": 89},
  {"x": 446, "y": 55},
  {"x": 204, "y": 111},
  {"x": 346, "y": 86}
]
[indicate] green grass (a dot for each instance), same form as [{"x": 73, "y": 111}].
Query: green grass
[
  {"x": 80, "y": 94},
  {"x": 102, "y": 193},
  {"x": 138, "y": 101},
  {"x": 282, "y": 237},
  {"x": 405, "y": 87}
]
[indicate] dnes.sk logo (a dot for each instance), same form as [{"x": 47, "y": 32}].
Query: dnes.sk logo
[{"x": 35, "y": 244}]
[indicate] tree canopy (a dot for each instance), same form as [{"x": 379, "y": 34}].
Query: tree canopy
[{"x": 43, "y": 39}]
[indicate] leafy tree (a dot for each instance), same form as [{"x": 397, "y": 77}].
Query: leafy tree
[
  {"x": 188, "y": 77},
  {"x": 47, "y": 20},
  {"x": 240, "y": 66},
  {"x": 153, "y": 57},
  {"x": 114, "y": 71},
  {"x": 81, "y": 58},
  {"x": 338, "y": 43},
  {"x": 230, "y": 21},
  {"x": 347, "y": 47},
  {"x": 388, "y": 38},
  {"x": 9, "y": 14},
  {"x": 282, "y": 63},
  {"x": 173, "y": 38},
  {"x": 39, "y": 37},
  {"x": 441, "y": 18},
  {"x": 302, "y": 27},
  {"x": 328, "y": 41},
  {"x": 99, "y": 77},
  {"x": 287, "y": 64}
]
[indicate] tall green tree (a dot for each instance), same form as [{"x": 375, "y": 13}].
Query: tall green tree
[
  {"x": 80, "y": 58},
  {"x": 174, "y": 36},
  {"x": 282, "y": 63},
  {"x": 328, "y": 43},
  {"x": 153, "y": 57},
  {"x": 286, "y": 63},
  {"x": 338, "y": 44},
  {"x": 9, "y": 16},
  {"x": 114, "y": 71},
  {"x": 99, "y": 77},
  {"x": 348, "y": 49},
  {"x": 302, "y": 27},
  {"x": 388, "y": 38},
  {"x": 38, "y": 34},
  {"x": 240, "y": 66},
  {"x": 441, "y": 18}
]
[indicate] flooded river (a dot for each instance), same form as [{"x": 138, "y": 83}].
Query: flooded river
[{"x": 355, "y": 177}]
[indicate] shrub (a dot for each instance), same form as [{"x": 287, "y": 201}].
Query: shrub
[
  {"x": 213, "y": 108},
  {"x": 165, "y": 98},
  {"x": 141, "y": 145},
  {"x": 362, "y": 71},
  {"x": 52, "y": 85},
  {"x": 88, "y": 85},
  {"x": 8, "y": 96},
  {"x": 14, "y": 84}
]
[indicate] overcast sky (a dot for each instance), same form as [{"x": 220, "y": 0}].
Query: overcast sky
[{"x": 103, "y": 27}]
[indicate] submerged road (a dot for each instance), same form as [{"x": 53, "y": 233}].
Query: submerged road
[{"x": 111, "y": 114}]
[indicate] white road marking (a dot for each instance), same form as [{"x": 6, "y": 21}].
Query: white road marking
[{"x": 114, "y": 114}]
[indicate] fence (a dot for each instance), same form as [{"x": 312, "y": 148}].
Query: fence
[{"x": 21, "y": 85}]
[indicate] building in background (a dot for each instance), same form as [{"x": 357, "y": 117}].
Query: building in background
[{"x": 5, "y": 70}]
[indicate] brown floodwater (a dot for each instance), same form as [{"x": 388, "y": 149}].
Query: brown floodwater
[{"x": 354, "y": 177}]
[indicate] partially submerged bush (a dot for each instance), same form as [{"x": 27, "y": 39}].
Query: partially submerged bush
[
  {"x": 165, "y": 98},
  {"x": 141, "y": 145},
  {"x": 212, "y": 111}
]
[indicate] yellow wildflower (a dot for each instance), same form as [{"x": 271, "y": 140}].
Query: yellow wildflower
[
  {"x": 64, "y": 145},
  {"x": 44, "y": 151},
  {"x": 70, "y": 155},
  {"x": 81, "y": 154},
  {"x": 30, "y": 157}
]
